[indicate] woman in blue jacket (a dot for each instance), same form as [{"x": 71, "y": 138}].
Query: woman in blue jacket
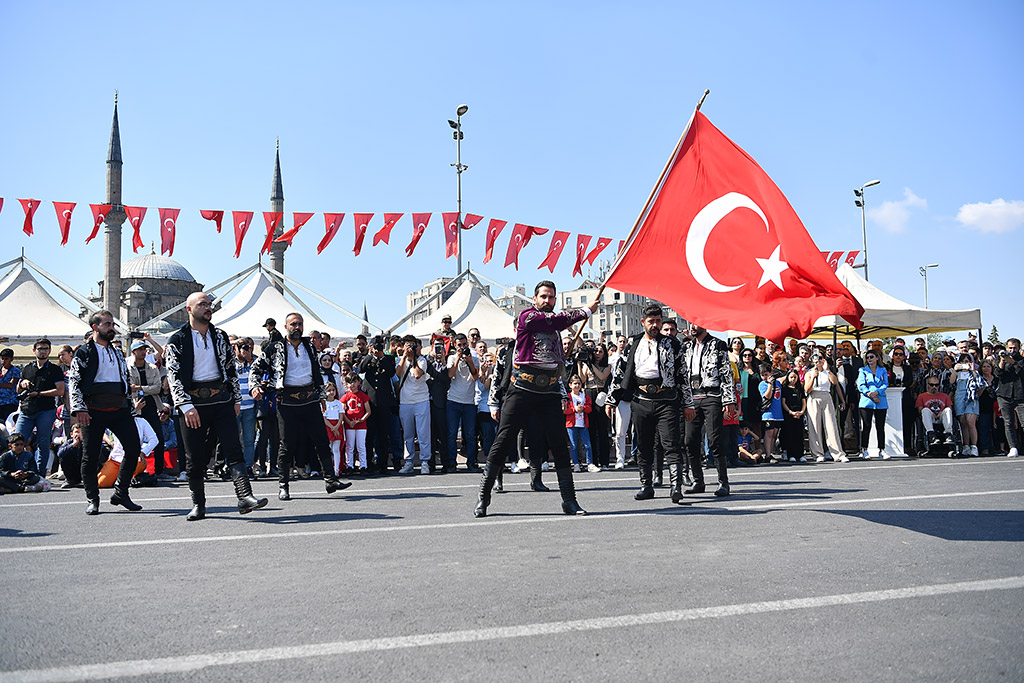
[{"x": 872, "y": 381}]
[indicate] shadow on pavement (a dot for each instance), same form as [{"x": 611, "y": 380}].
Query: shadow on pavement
[
  {"x": 18, "y": 533},
  {"x": 769, "y": 495},
  {"x": 397, "y": 496},
  {"x": 279, "y": 516},
  {"x": 950, "y": 525}
]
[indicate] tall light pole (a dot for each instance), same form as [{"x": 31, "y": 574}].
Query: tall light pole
[
  {"x": 924, "y": 273},
  {"x": 860, "y": 201},
  {"x": 459, "y": 168}
]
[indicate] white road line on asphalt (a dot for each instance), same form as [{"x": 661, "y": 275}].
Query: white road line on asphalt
[
  {"x": 734, "y": 474},
  {"x": 496, "y": 522},
  {"x": 186, "y": 663}
]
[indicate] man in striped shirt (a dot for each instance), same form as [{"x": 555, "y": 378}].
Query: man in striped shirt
[{"x": 247, "y": 415}]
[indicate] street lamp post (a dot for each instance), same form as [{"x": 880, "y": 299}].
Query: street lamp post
[
  {"x": 924, "y": 273},
  {"x": 860, "y": 201},
  {"x": 459, "y": 168}
]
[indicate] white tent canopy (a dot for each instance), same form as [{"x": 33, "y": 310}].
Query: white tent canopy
[
  {"x": 28, "y": 312},
  {"x": 245, "y": 312},
  {"x": 469, "y": 306}
]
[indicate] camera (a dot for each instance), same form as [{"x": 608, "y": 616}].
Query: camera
[
  {"x": 379, "y": 342},
  {"x": 466, "y": 352},
  {"x": 584, "y": 354},
  {"x": 135, "y": 335},
  {"x": 439, "y": 348}
]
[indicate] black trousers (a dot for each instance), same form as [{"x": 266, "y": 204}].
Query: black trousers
[
  {"x": 269, "y": 441},
  {"x": 150, "y": 415},
  {"x": 849, "y": 426},
  {"x": 656, "y": 422},
  {"x": 1009, "y": 408},
  {"x": 218, "y": 426},
  {"x": 708, "y": 417},
  {"x": 793, "y": 436},
  {"x": 378, "y": 438},
  {"x": 121, "y": 423},
  {"x": 438, "y": 435},
  {"x": 865, "y": 426},
  {"x": 541, "y": 416},
  {"x": 307, "y": 423},
  {"x": 600, "y": 431}
]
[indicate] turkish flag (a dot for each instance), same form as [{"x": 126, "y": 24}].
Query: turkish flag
[
  {"x": 451, "y": 234},
  {"x": 99, "y": 214},
  {"x": 713, "y": 197},
  {"x": 851, "y": 257},
  {"x": 470, "y": 220},
  {"x": 64, "y": 211},
  {"x": 272, "y": 219},
  {"x": 216, "y": 216},
  {"x": 299, "y": 220},
  {"x": 168, "y": 227},
  {"x": 362, "y": 221},
  {"x": 558, "y": 240},
  {"x": 521, "y": 236},
  {"x": 30, "y": 206},
  {"x": 834, "y": 259},
  {"x": 494, "y": 229},
  {"x": 384, "y": 234},
  {"x": 332, "y": 221},
  {"x": 135, "y": 216},
  {"x": 1, "y": 203},
  {"x": 602, "y": 242},
  {"x": 241, "y": 221},
  {"x": 419, "y": 222},
  {"x": 582, "y": 242}
]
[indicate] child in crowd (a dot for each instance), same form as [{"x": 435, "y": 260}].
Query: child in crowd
[
  {"x": 748, "y": 445},
  {"x": 794, "y": 405},
  {"x": 17, "y": 469},
  {"x": 357, "y": 411},
  {"x": 771, "y": 410},
  {"x": 577, "y": 421},
  {"x": 333, "y": 411}
]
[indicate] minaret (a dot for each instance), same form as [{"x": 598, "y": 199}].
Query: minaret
[
  {"x": 114, "y": 219},
  {"x": 277, "y": 205}
]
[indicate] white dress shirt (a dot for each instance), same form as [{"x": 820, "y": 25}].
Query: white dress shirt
[
  {"x": 646, "y": 358},
  {"x": 204, "y": 368},
  {"x": 298, "y": 371},
  {"x": 108, "y": 370}
]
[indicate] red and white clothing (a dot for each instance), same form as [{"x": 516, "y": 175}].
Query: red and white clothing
[
  {"x": 333, "y": 410},
  {"x": 577, "y": 419},
  {"x": 355, "y": 405}
]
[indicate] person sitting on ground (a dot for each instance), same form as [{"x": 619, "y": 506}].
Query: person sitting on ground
[
  {"x": 17, "y": 469},
  {"x": 69, "y": 455},
  {"x": 936, "y": 405},
  {"x": 749, "y": 446}
]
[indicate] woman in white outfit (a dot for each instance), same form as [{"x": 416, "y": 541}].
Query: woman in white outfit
[{"x": 821, "y": 412}]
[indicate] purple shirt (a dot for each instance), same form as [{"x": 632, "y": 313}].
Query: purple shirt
[{"x": 537, "y": 338}]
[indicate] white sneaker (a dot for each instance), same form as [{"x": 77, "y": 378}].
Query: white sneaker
[
  {"x": 820, "y": 458},
  {"x": 885, "y": 456},
  {"x": 523, "y": 464},
  {"x": 801, "y": 459},
  {"x": 183, "y": 476},
  {"x": 593, "y": 468},
  {"x": 1012, "y": 453},
  {"x": 515, "y": 468},
  {"x": 867, "y": 456},
  {"x": 575, "y": 468},
  {"x": 974, "y": 451},
  {"x": 844, "y": 459},
  {"x": 620, "y": 465},
  {"x": 424, "y": 468},
  {"x": 966, "y": 450},
  {"x": 544, "y": 467}
]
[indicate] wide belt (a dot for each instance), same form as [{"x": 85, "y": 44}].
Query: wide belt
[
  {"x": 536, "y": 379},
  {"x": 106, "y": 401},
  {"x": 298, "y": 396},
  {"x": 656, "y": 391},
  {"x": 214, "y": 391}
]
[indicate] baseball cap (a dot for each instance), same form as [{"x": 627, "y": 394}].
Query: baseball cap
[
  {"x": 446, "y": 319},
  {"x": 138, "y": 344},
  {"x": 271, "y": 322}
]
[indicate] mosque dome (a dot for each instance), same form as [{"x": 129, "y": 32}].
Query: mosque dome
[{"x": 155, "y": 266}]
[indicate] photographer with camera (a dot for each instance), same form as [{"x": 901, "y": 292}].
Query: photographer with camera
[
  {"x": 42, "y": 383},
  {"x": 438, "y": 383},
  {"x": 463, "y": 371},
  {"x": 414, "y": 404},
  {"x": 377, "y": 369},
  {"x": 1010, "y": 391}
]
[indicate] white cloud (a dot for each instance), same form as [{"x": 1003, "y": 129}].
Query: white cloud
[
  {"x": 894, "y": 216},
  {"x": 995, "y": 216}
]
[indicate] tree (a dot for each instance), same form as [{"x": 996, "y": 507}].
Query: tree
[
  {"x": 993, "y": 336},
  {"x": 933, "y": 341}
]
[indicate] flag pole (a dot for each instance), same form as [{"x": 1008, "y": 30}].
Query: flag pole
[{"x": 643, "y": 212}]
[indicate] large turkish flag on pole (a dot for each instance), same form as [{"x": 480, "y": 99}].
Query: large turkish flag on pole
[{"x": 721, "y": 244}]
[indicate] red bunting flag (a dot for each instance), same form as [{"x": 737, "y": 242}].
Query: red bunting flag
[
  {"x": 332, "y": 221},
  {"x": 419, "y": 222},
  {"x": 494, "y": 229},
  {"x": 582, "y": 242},
  {"x": 622, "y": 243},
  {"x": 470, "y": 221},
  {"x": 99, "y": 214},
  {"x": 776, "y": 286},
  {"x": 241, "y": 221},
  {"x": 851, "y": 257},
  {"x": 602, "y": 242},
  {"x": 216, "y": 216},
  {"x": 168, "y": 228},
  {"x": 558, "y": 240},
  {"x": 521, "y": 236},
  {"x": 833, "y": 260},
  {"x": 135, "y": 216},
  {"x": 451, "y": 234},
  {"x": 64, "y": 211},
  {"x": 362, "y": 220},
  {"x": 30, "y": 206},
  {"x": 299, "y": 220},
  {"x": 272, "y": 220},
  {"x": 1, "y": 203},
  {"x": 384, "y": 234}
]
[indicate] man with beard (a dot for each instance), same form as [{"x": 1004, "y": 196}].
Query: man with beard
[
  {"x": 534, "y": 400},
  {"x": 295, "y": 374},
  {"x": 714, "y": 398},
  {"x": 98, "y": 382},
  {"x": 651, "y": 375},
  {"x": 204, "y": 385}
]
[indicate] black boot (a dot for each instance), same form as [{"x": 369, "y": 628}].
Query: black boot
[
  {"x": 646, "y": 491},
  {"x": 333, "y": 484},
  {"x": 659, "y": 469},
  {"x": 282, "y": 492},
  {"x": 243, "y": 489},
  {"x": 535, "y": 483},
  {"x": 499, "y": 485},
  {"x": 675, "y": 478},
  {"x": 93, "y": 508},
  {"x": 198, "y": 510},
  {"x": 486, "y": 482},
  {"x": 121, "y": 497},
  {"x": 568, "y": 490}
]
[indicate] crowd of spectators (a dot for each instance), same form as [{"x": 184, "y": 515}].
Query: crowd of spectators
[{"x": 398, "y": 405}]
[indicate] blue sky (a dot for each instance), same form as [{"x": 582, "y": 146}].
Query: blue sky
[{"x": 574, "y": 108}]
